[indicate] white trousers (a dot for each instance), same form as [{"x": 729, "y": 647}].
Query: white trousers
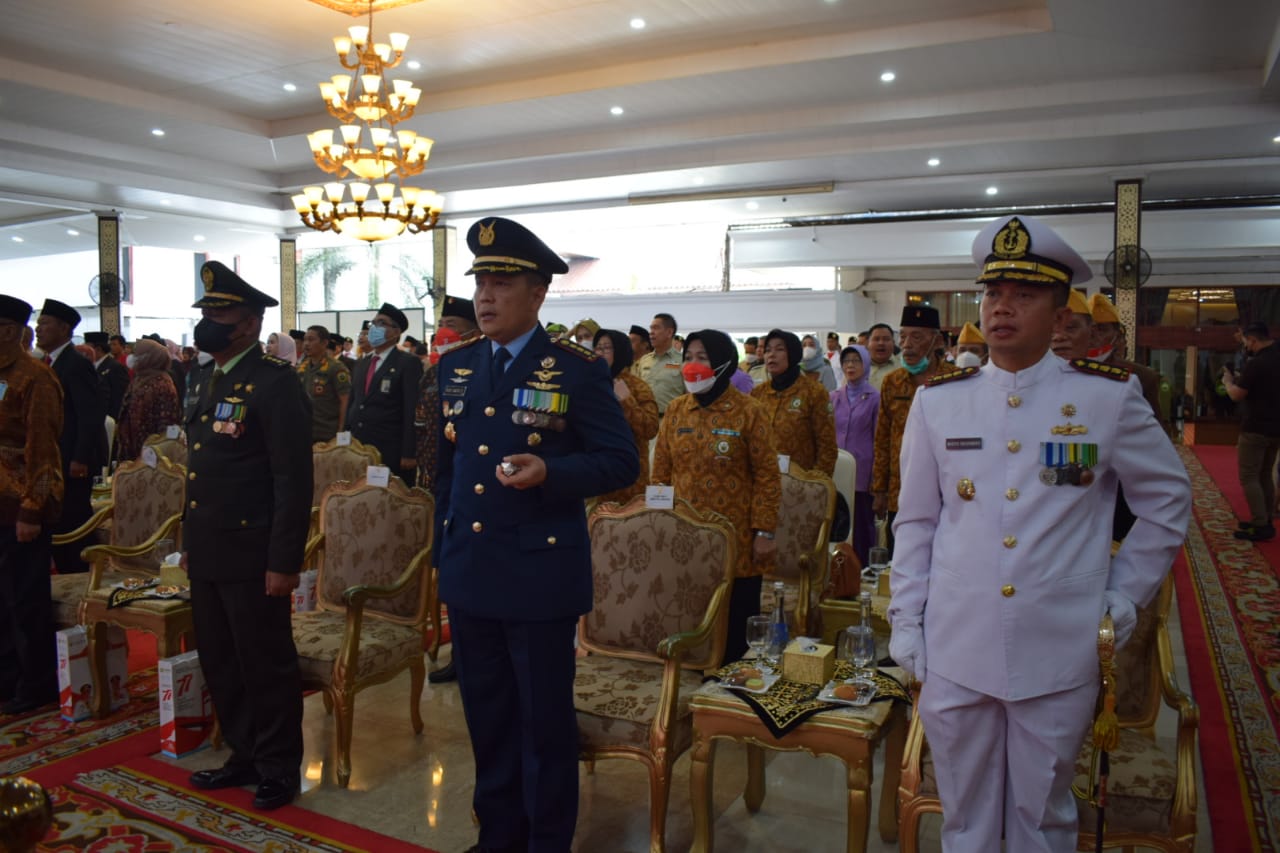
[{"x": 1005, "y": 766}]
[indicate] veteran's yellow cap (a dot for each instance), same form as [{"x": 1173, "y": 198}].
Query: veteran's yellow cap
[
  {"x": 1101, "y": 309},
  {"x": 970, "y": 334}
]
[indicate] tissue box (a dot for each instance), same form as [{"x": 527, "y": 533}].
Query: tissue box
[
  {"x": 815, "y": 667},
  {"x": 186, "y": 710},
  {"x": 75, "y": 671}
]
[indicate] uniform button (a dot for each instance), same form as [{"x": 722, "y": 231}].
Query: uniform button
[
  {"x": 1007, "y": 590},
  {"x": 489, "y": 411},
  {"x": 195, "y": 446},
  {"x": 551, "y": 540},
  {"x": 1011, "y": 541},
  {"x": 204, "y": 419},
  {"x": 191, "y": 476},
  {"x": 483, "y": 450},
  {"x": 244, "y": 522},
  {"x": 1011, "y": 494},
  {"x": 192, "y": 504},
  {"x": 1014, "y": 445},
  {"x": 446, "y": 522},
  {"x": 1014, "y": 401},
  {"x": 479, "y": 487},
  {"x": 477, "y": 526}
]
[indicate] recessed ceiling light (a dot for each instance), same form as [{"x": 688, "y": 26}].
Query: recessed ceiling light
[
  {"x": 934, "y": 161},
  {"x": 1276, "y": 139},
  {"x": 414, "y": 65},
  {"x": 637, "y": 23},
  {"x": 291, "y": 87},
  {"x": 753, "y": 205},
  {"x": 699, "y": 180},
  {"x": 616, "y": 110},
  {"x": 71, "y": 232},
  {"x": 166, "y": 202},
  {"x": 992, "y": 190},
  {"x": 157, "y": 131},
  {"x": 887, "y": 76},
  {"x": 18, "y": 239},
  {"x": 199, "y": 238}
]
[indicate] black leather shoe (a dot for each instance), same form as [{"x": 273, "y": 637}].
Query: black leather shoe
[
  {"x": 1259, "y": 533},
  {"x": 443, "y": 674},
  {"x": 22, "y": 705},
  {"x": 274, "y": 793},
  {"x": 226, "y": 776}
]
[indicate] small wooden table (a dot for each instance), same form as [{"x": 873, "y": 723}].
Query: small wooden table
[{"x": 850, "y": 734}]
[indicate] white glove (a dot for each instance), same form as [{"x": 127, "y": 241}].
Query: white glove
[
  {"x": 906, "y": 647},
  {"x": 1123, "y": 614}
]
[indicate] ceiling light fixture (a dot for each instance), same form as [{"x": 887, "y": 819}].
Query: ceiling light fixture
[
  {"x": 934, "y": 162},
  {"x": 199, "y": 238},
  {"x": 617, "y": 111},
  {"x": 18, "y": 239},
  {"x": 1275, "y": 139},
  {"x": 71, "y": 232},
  {"x": 157, "y": 131},
  {"x": 413, "y": 64},
  {"x": 992, "y": 190},
  {"x": 637, "y": 23},
  {"x": 369, "y": 148},
  {"x": 753, "y": 205},
  {"x": 887, "y": 76}
]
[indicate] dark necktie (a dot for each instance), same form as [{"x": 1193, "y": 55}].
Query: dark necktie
[
  {"x": 368, "y": 377},
  {"x": 500, "y": 359}
]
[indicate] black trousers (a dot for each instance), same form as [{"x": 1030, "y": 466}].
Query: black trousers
[
  {"x": 76, "y": 510},
  {"x": 250, "y": 664},
  {"x": 28, "y": 654},
  {"x": 744, "y": 601},
  {"x": 516, "y": 680}
]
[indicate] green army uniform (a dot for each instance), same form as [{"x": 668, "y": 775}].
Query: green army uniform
[
  {"x": 325, "y": 384},
  {"x": 662, "y": 372}
]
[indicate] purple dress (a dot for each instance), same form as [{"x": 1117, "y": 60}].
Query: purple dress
[
  {"x": 741, "y": 381},
  {"x": 856, "y": 408}
]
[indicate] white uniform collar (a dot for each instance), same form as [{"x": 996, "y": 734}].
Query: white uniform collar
[{"x": 1048, "y": 365}]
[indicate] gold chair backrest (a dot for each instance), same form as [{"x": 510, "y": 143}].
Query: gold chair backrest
[
  {"x": 804, "y": 521},
  {"x": 332, "y": 463},
  {"x": 143, "y": 498},
  {"x": 173, "y": 449},
  {"x": 371, "y": 534},
  {"x": 655, "y": 572},
  {"x": 1137, "y": 663}
]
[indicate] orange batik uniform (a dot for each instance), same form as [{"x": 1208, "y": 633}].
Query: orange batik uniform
[
  {"x": 804, "y": 427},
  {"x": 641, "y": 412},
  {"x": 722, "y": 458}
]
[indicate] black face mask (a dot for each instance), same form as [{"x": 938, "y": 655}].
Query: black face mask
[{"x": 213, "y": 337}]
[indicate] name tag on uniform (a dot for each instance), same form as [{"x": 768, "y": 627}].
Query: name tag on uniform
[
  {"x": 385, "y": 387},
  {"x": 964, "y": 444},
  {"x": 784, "y": 462},
  {"x": 343, "y": 439},
  {"x": 173, "y": 431},
  {"x": 378, "y": 475},
  {"x": 660, "y": 497}
]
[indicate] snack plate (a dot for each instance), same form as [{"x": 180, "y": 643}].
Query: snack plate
[
  {"x": 169, "y": 591},
  {"x": 770, "y": 678},
  {"x": 135, "y": 583},
  {"x": 867, "y": 692}
]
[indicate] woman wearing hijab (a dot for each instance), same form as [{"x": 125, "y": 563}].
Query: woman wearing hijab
[
  {"x": 636, "y": 399},
  {"x": 716, "y": 448},
  {"x": 150, "y": 403},
  {"x": 857, "y": 406},
  {"x": 797, "y": 407},
  {"x": 814, "y": 363},
  {"x": 281, "y": 346}
]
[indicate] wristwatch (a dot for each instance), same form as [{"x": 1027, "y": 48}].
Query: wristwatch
[{"x": 765, "y": 534}]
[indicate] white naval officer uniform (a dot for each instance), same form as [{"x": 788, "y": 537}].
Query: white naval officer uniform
[{"x": 1009, "y": 583}]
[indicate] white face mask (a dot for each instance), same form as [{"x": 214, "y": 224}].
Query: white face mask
[
  {"x": 587, "y": 343},
  {"x": 809, "y": 352},
  {"x": 204, "y": 358},
  {"x": 701, "y": 386},
  {"x": 129, "y": 362},
  {"x": 968, "y": 359}
]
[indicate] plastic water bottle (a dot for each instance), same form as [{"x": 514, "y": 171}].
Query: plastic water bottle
[{"x": 780, "y": 635}]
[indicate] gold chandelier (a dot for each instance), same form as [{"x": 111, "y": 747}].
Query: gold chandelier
[{"x": 369, "y": 147}]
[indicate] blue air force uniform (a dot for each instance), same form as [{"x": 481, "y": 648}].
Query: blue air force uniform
[
  {"x": 1003, "y": 567},
  {"x": 515, "y": 565}
]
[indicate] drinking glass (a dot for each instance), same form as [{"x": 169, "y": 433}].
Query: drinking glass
[
  {"x": 858, "y": 647},
  {"x": 164, "y": 547},
  {"x": 877, "y": 561},
  {"x": 759, "y": 630}
]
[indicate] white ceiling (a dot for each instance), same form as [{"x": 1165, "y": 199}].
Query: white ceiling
[{"x": 1049, "y": 100}]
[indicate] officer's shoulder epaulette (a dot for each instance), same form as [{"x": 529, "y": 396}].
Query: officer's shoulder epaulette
[
  {"x": 953, "y": 376},
  {"x": 274, "y": 361},
  {"x": 1100, "y": 368},
  {"x": 576, "y": 348},
  {"x": 464, "y": 344}
]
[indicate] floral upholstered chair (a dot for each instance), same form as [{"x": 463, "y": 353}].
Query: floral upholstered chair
[
  {"x": 332, "y": 462},
  {"x": 662, "y": 581},
  {"x": 804, "y": 524},
  {"x": 373, "y": 591},
  {"x": 1151, "y": 795},
  {"x": 173, "y": 449},
  {"x": 145, "y": 507}
]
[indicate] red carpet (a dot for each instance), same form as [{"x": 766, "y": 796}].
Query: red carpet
[
  {"x": 147, "y": 805},
  {"x": 1228, "y": 595}
]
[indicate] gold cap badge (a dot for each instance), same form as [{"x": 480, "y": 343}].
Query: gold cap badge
[{"x": 486, "y": 237}]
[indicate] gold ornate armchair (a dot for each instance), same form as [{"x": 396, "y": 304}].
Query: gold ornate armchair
[
  {"x": 173, "y": 449},
  {"x": 332, "y": 463},
  {"x": 1151, "y": 796},
  {"x": 804, "y": 525},
  {"x": 145, "y": 506},
  {"x": 662, "y": 582},
  {"x": 373, "y": 592}
]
